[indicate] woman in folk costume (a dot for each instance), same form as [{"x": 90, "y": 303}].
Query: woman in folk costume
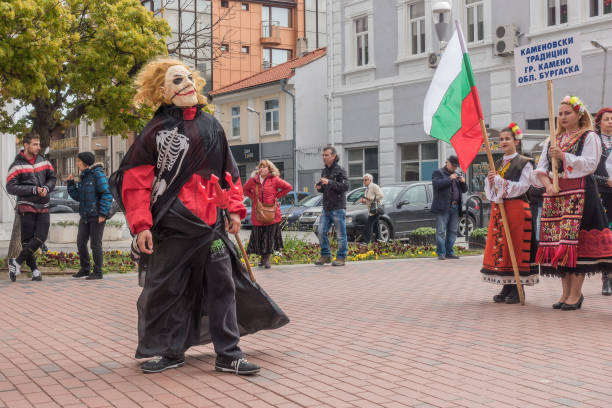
[
  {"x": 574, "y": 237},
  {"x": 603, "y": 176},
  {"x": 509, "y": 185},
  {"x": 173, "y": 184}
]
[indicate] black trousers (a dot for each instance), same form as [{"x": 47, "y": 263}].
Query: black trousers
[
  {"x": 91, "y": 229},
  {"x": 372, "y": 229},
  {"x": 34, "y": 231},
  {"x": 183, "y": 283}
]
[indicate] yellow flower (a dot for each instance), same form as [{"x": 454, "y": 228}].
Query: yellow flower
[
  {"x": 420, "y": 252},
  {"x": 276, "y": 259},
  {"x": 573, "y": 100},
  {"x": 376, "y": 256},
  {"x": 434, "y": 253}
]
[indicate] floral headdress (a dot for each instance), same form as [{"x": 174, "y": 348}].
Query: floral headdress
[
  {"x": 516, "y": 131},
  {"x": 575, "y": 103}
]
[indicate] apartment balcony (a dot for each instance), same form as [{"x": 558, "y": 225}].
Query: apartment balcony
[
  {"x": 270, "y": 33},
  {"x": 65, "y": 144}
]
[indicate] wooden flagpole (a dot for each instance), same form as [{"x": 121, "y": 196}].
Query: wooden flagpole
[
  {"x": 502, "y": 208},
  {"x": 553, "y": 136}
]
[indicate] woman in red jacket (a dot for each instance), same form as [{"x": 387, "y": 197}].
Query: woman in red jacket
[{"x": 265, "y": 186}]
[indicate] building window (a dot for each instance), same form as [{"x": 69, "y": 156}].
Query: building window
[
  {"x": 275, "y": 56},
  {"x": 419, "y": 160},
  {"x": 360, "y": 162},
  {"x": 537, "y": 124},
  {"x": 271, "y": 115},
  {"x": 224, "y": 3},
  {"x": 70, "y": 165},
  {"x": 224, "y": 48},
  {"x": 236, "y": 122},
  {"x": 245, "y": 49},
  {"x": 474, "y": 16},
  {"x": 600, "y": 7},
  {"x": 557, "y": 12},
  {"x": 416, "y": 27},
  {"x": 278, "y": 16},
  {"x": 281, "y": 169},
  {"x": 244, "y": 7},
  {"x": 361, "y": 41}
]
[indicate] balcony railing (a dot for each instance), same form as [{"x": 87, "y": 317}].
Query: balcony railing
[
  {"x": 65, "y": 144},
  {"x": 270, "y": 32}
]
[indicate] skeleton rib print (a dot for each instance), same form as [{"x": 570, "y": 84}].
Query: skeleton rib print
[{"x": 171, "y": 145}]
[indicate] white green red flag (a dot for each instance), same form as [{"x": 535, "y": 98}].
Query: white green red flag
[{"x": 452, "y": 109}]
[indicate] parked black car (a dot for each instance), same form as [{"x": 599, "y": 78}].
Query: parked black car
[
  {"x": 61, "y": 202},
  {"x": 292, "y": 214},
  {"x": 311, "y": 215},
  {"x": 407, "y": 207}
]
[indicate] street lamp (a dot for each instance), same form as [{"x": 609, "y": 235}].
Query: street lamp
[
  {"x": 259, "y": 129},
  {"x": 605, "y": 55},
  {"x": 441, "y": 16}
]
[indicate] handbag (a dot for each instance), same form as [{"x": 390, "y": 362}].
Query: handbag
[
  {"x": 377, "y": 208},
  {"x": 264, "y": 213}
]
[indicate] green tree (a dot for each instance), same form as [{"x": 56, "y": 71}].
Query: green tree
[{"x": 63, "y": 59}]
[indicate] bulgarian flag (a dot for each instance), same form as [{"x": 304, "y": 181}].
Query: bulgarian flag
[{"x": 452, "y": 109}]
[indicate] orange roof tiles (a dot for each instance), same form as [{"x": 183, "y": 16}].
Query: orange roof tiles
[{"x": 274, "y": 74}]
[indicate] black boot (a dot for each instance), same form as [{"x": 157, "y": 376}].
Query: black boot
[
  {"x": 501, "y": 296},
  {"x": 266, "y": 261},
  {"x": 513, "y": 297},
  {"x": 606, "y": 287}
]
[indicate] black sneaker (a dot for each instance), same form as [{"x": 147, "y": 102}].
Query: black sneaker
[
  {"x": 452, "y": 256},
  {"x": 239, "y": 366},
  {"x": 94, "y": 276},
  {"x": 80, "y": 274},
  {"x": 159, "y": 364},
  {"x": 14, "y": 269},
  {"x": 37, "y": 278}
]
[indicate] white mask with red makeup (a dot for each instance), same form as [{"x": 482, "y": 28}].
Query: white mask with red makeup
[{"x": 179, "y": 87}]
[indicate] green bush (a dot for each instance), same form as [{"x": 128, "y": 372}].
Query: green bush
[
  {"x": 479, "y": 233},
  {"x": 66, "y": 223},
  {"x": 424, "y": 231}
]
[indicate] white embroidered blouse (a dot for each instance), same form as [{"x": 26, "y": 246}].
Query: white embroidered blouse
[
  {"x": 573, "y": 166},
  {"x": 504, "y": 189}
]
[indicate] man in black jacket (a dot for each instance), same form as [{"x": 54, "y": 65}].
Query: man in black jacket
[
  {"x": 448, "y": 187},
  {"x": 334, "y": 185},
  {"x": 31, "y": 178}
]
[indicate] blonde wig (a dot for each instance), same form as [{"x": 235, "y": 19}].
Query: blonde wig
[
  {"x": 151, "y": 78},
  {"x": 584, "y": 123},
  {"x": 271, "y": 168}
]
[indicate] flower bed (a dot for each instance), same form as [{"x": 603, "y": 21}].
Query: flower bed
[
  {"x": 114, "y": 261},
  {"x": 300, "y": 252}
]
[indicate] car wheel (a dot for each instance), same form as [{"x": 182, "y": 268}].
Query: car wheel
[
  {"x": 466, "y": 225},
  {"x": 385, "y": 231}
]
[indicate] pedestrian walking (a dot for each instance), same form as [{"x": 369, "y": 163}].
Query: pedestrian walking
[
  {"x": 180, "y": 188},
  {"x": 448, "y": 186},
  {"x": 95, "y": 199},
  {"x": 575, "y": 239},
  {"x": 264, "y": 188},
  {"x": 603, "y": 175},
  {"x": 334, "y": 185},
  {"x": 508, "y": 186},
  {"x": 372, "y": 198},
  {"x": 31, "y": 178}
]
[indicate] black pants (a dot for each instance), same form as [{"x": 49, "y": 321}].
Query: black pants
[
  {"x": 185, "y": 282},
  {"x": 372, "y": 228},
  {"x": 34, "y": 230},
  {"x": 91, "y": 229}
]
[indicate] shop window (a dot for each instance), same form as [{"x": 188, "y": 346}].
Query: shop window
[
  {"x": 360, "y": 162},
  {"x": 418, "y": 161}
]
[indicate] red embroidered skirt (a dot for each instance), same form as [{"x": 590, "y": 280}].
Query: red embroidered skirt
[
  {"x": 497, "y": 265},
  {"x": 574, "y": 233}
]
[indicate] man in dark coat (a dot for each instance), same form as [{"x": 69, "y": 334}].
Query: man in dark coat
[
  {"x": 195, "y": 288},
  {"x": 31, "y": 178},
  {"x": 448, "y": 186},
  {"x": 95, "y": 201}
]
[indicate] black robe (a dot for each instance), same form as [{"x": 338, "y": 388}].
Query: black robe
[{"x": 207, "y": 153}]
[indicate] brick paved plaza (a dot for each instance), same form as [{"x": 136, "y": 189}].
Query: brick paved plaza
[{"x": 414, "y": 333}]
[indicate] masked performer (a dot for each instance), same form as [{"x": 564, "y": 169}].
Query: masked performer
[
  {"x": 574, "y": 236},
  {"x": 195, "y": 289},
  {"x": 603, "y": 175},
  {"x": 509, "y": 185}
]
